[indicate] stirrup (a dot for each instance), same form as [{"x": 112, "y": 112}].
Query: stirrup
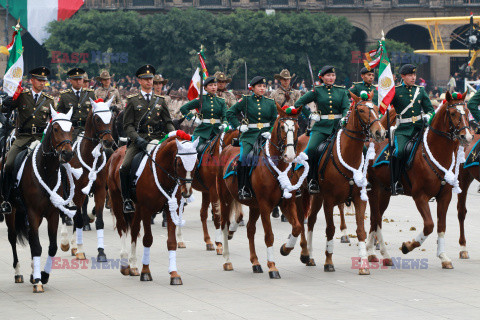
[
  {"x": 398, "y": 189},
  {"x": 313, "y": 187},
  {"x": 5, "y": 207},
  {"x": 244, "y": 194},
  {"x": 128, "y": 206}
]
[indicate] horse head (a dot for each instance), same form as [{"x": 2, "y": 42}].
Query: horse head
[
  {"x": 102, "y": 122},
  {"x": 364, "y": 117},
  {"x": 284, "y": 133},
  {"x": 59, "y": 135},
  {"x": 451, "y": 119},
  {"x": 185, "y": 161}
]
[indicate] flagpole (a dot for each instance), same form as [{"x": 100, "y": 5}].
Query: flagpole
[{"x": 6, "y": 22}]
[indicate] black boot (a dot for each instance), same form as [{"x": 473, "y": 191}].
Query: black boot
[
  {"x": 6, "y": 206},
  {"x": 242, "y": 175},
  {"x": 128, "y": 206},
  {"x": 397, "y": 175},
  {"x": 312, "y": 177}
]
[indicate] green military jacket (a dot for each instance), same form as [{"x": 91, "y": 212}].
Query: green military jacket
[
  {"x": 473, "y": 106},
  {"x": 258, "y": 110},
  {"x": 403, "y": 97},
  {"x": 147, "y": 120},
  {"x": 213, "y": 109},
  {"x": 81, "y": 107},
  {"x": 358, "y": 87},
  {"x": 331, "y": 100},
  {"x": 32, "y": 117}
]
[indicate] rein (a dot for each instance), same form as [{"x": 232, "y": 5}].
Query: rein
[{"x": 365, "y": 127}]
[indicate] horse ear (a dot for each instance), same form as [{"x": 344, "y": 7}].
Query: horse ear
[
  {"x": 53, "y": 112},
  {"x": 279, "y": 109},
  {"x": 179, "y": 145},
  {"x": 464, "y": 95},
  {"x": 299, "y": 110},
  {"x": 195, "y": 143},
  {"x": 69, "y": 114},
  {"x": 109, "y": 102},
  {"x": 448, "y": 96},
  {"x": 94, "y": 104},
  {"x": 354, "y": 97}
]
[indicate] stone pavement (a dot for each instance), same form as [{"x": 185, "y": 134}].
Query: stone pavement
[{"x": 302, "y": 293}]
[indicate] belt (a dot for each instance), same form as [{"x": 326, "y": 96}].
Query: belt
[
  {"x": 211, "y": 121},
  {"x": 410, "y": 120},
  {"x": 79, "y": 123},
  {"x": 150, "y": 130},
  {"x": 331, "y": 117},
  {"x": 32, "y": 130},
  {"x": 259, "y": 125}
]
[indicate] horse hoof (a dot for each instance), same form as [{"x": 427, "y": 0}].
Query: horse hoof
[
  {"x": 311, "y": 263},
  {"x": 345, "y": 239},
  {"x": 372, "y": 258},
  {"x": 210, "y": 247},
  {"x": 364, "y": 272},
  {"x": 45, "y": 277},
  {"x": 387, "y": 262},
  {"x": 146, "y": 277},
  {"x": 304, "y": 259},
  {"x": 80, "y": 256},
  {"x": 257, "y": 268},
  {"x": 464, "y": 255},
  {"x": 405, "y": 248},
  {"x": 134, "y": 272},
  {"x": 73, "y": 252},
  {"x": 125, "y": 270},
  {"x": 101, "y": 257},
  {"x": 181, "y": 245},
  {"x": 274, "y": 274},
  {"x": 447, "y": 265},
  {"x": 18, "y": 278},
  {"x": 228, "y": 266},
  {"x": 65, "y": 247},
  {"x": 176, "y": 281},
  {"x": 284, "y": 251},
  {"x": 219, "y": 251},
  {"x": 38, "y": 288},
  {"x": 329, "y": 268}
]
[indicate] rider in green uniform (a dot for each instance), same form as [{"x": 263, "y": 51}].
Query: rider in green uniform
[
  {"x": 259, "y": 114},
  {"x": 332, "y": 107},
  {"x": 366, "y": 85}
]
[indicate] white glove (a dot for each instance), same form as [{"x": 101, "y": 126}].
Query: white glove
[
  {"x": 266, "y": 135},
  {"x": 243, "y": 128},
  {"x": 197, "y": 121},
  {"x": 343, "y": 121},
  {"x": 223, "y": 126},
  {"x": 315, "y": 117},
  {"x": 193, "y": 111}
]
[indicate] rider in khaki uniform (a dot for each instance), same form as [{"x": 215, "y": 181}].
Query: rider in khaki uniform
[
  {"x": 146, "y": 118},
  {"x": 33, "y": 112},
  {"x": 106, "y": 91},
  {"x": 222, "y": 92},
  {"x": 77, "y": 98},
  {"x": 284, "y": 95}
]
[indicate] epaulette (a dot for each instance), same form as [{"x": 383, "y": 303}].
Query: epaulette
[
  {"x": 375, "y": 85},
  {"x": 65, "y": 91},
  {"x": 339, "y": 86},
  {"x": 221, "y": 97},
  {"x": 269, "y": 98},
  {"x": 356, "y": 82},
  {"x": 132, "y": 95},
  {"x": 25, "y": 90},
  {"x": 399, "y": 86},
  {"x": 88, "y": 89},
  {"x": 157, "y": 95},
  {"x": 47, "y": 95}
]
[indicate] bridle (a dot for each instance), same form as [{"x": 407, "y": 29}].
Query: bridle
[
  {"x": 365, "y": 127},
  {"x": 55, "y": 148},
  {"x": 454, "y": 130},
  {"x": 282, "y": 145}
]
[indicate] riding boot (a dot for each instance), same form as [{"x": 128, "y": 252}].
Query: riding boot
[
  {"x": 312, "y": 177},
  {"x": 6, "y": 206},
  {"x": 242, "y": 175},
  {"x": 397, "y": 176},
  {"x": 128, "y": 206}
]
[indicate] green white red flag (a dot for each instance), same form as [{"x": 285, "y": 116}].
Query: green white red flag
[
  {"x": 12, "y": 80},
  {"x": 194, "y": 87},
  {"x": 386, "y": 83}
]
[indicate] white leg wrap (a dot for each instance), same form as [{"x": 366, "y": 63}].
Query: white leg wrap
[
  {"x": 48, "y": 265},
  {"x": 371, "y": 243},
  {"x": 270, "y": 254},
  {"x": 36, "y": 268},
  {"x": 179, "y": 234},
  {"x": 17, "y": 269},
  {"x": 463, "y": 248},
  {"x": 133, "y": 255},
  {"x": 383, "y": 247},
  {"x": 420, "y": 238},
  {"x": 146, "y": 256},
  {"x": 172, "y": 261},
  {"x": 440, "y": 243},
  {"x": 329, "y": 246},
  {"x": 218, "y": 235},
  {"x": 226, "y": 251},
  {"x": 362, "y": 250},
  {"x": 291, "y": 241},
  {"x": 233, "y": 226},
  {"x": 123, "y": 250},
  {"x": 310, "y": 243},
  {"x": 79, "y": 232},
  {"x": 344, "y": 232},
  {"x": 100, "y": 239},
  {"x": 64, "y": 234}
]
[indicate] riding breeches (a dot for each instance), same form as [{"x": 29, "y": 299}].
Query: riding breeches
[{"x": 132, "y": 150}]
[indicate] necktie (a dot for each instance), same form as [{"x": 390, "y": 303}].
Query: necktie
[
  {"x": 36, "y": 97},
  {"x": 147, "y": 97},
  {"x": 78, "y": 94}
]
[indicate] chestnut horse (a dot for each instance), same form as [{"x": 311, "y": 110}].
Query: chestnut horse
[
  {"x": 91, "y": 158},
  {"x": 38, "y": 196},
  {"x": 267, "y": 187},
  {"x": 167, "y": 176},
  {"x": 427, "y": 178},
  {"x": 342, "y": 176}
]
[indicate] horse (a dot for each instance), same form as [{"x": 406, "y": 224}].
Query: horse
[
  {"x": 39, "y": 196},
  {"x": 270, "y": 181},
  {"x": 91, "y": 158},
  {"x": 428, "y": 177},
  {"x": 339, "y": 179},
  {"x": 166, "y": 177}
]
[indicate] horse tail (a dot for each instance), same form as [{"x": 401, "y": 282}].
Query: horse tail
[{"x": 21, "y": 226}]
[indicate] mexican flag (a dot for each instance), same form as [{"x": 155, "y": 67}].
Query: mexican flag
[
  {"x": 12, "y": 80},
  {"x": 194, "y": 87},
  {"x": 35, "y": 15},
  {"x": 386, "y": 83}
]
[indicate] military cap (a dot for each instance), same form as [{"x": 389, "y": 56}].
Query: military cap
[
  {"x": 76, "y": 73},
  {"x": 209, "y": 80},
  {"x": 145, "y": 72},
  {"x": 284, "y": 74},
  {"x": 257, "y": 80},
  {"x": 365, "y": 70},
  {"x": 104, "y": 75},
  {"x": 326, "y": 69},
  {"x": 222, "y": 77},
  {"x": 40, "y": 73},
  {"x": 159, "y": 78},
  {"x": 408, "y": 69}
]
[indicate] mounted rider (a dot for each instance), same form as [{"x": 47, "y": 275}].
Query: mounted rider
[
  {"x": 146, "y": 118},
  {"x": 107, "y": 91},
  {"x": 409, "y": 102},
  {"x": 332, "y": 108},
  {"x": 259, "y": 114},
  {"x": 209, "y": 115},
  {"x": 368, "y": 76},
  {"x": 222, "y": 92},
  {"x": 33, "y": 113}
]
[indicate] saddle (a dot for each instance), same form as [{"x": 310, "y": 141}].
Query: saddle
[
  {"x": 19, "y": 162},
  {"x": 251, "y": 159},
  {"x": 410, "y": 150},
  {"x": 473, "y": 156},
  {"x": 138, "y": 165}
]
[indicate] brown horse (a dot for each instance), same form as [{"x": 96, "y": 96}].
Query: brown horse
[
  {"x": 91, "y": 158},
  {"x": 427, "y": 178},
  {"x": 341, "y": 181},
  {"x": 167, "y": 176},
  {"x": 38, "y": 196},
  {"x": 266, "y": 186}
]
